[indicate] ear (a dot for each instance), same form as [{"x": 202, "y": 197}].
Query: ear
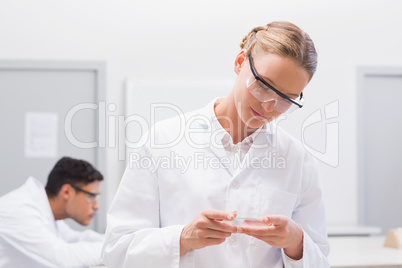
[
  {"x": 66, "y": 191},
  {"x": 239, "y": 61}
]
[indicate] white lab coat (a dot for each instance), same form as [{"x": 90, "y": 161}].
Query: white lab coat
[
  {"x": 30, "y": 236},
  {"x": 154, "y": 202}
]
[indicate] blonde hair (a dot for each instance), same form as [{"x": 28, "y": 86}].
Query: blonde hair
[{"x": 284, "y": 39}]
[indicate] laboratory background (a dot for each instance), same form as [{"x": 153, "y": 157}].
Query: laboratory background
[{"x": 73, "y": 74}]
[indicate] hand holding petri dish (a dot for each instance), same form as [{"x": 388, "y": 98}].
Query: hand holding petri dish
[{"x": 250, "y": 219}]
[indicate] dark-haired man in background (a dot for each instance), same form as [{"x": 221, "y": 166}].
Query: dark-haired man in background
[{"x": 32, "y": 230}]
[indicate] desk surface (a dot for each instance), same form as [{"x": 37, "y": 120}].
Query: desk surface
[
  {"x": 359, "y": 252},
  {"x": 364, "y": 251}
]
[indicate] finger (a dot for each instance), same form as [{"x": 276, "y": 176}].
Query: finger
[
  {"x": 234, "y": 214},
  {"x": 275, "y": 219},
  {"x": 259, "y": 222},
  {"x": 215, "y": 234},
  {"x": 214, "y": 241},
  {"x": 214, "y": 214},
  {"x": 222, "y": 226},
  {"x": 258, "y": 230}
]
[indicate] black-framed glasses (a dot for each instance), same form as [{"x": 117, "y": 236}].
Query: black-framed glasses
[
  {"x": 265, "y": 92},
  {"x": 90, "y": 197}
]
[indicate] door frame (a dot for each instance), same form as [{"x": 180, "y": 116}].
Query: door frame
[{"x": 362, "y": 73}]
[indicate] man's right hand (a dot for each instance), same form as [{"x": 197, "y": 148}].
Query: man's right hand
[{"x": 207, "y": 229}]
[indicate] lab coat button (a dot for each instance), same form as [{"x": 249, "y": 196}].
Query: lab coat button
[
  {"x": 235, "y": 185},
  {"x": 235, "y": 149}
]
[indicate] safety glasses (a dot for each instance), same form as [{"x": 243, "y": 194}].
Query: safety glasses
[
  {"x": 264, "y": 92},
  {"x": 89, "y": 197}
]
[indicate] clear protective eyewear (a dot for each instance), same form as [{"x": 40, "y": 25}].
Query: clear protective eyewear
[
  {"x": 264, "y": 92},
  {"x": 89, "y": 197}
]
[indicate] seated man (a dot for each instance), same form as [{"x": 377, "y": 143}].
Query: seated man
[{"x": 32, "y": 230}]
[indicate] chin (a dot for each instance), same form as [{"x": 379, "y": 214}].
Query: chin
[
  {"x": 84, "y": 223},
  {"x": 255, "y": 123},
  {"x": 269, "y": 119}
]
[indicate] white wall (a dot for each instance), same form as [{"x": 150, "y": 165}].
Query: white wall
[{"x": 199, "y": 39}]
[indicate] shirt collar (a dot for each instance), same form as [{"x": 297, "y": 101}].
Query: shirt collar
[{"x": 222, "y": 136}]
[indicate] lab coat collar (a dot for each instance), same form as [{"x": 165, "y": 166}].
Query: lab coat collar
[{"x": 35, "y": 188}]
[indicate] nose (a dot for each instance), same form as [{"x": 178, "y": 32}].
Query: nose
[
  {"x": 269, "y": 105},
  {"x": 95, "y": 205}
]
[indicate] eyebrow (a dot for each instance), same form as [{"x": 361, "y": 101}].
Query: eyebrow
[{"x": 272, "y": 82}]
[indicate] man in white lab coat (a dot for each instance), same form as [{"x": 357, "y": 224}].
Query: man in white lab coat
[{"x": 32, "y": 230}]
